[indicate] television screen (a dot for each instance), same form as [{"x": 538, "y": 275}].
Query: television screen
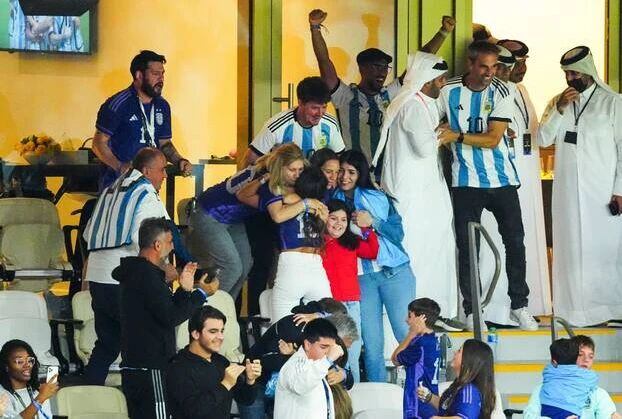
[{"x": 62, "y": 34}]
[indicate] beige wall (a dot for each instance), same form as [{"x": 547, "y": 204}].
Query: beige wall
[
  {"x": 352, "y": 25},
  {"x": 61, "y": 94},
  {"x": 549, "y": 28}
]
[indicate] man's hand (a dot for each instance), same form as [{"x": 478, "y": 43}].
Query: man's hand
[
  {"x": 511, "y": 133},
  {"x": 185, "y": 167},
  {"x": 446, "y": 136},
  {"x": 253, "y": 371},
  {"x": 618, "y": 200},
  {"x": 232, "y": 372},
  {"x": 48, "y": 390},
  {"x": 300, "y": 318},
  {"x": 186, "y": 278},
  {"x": 567, "y": 97},
  {"x": 362, "y": 219},
  {"x": 170, "y": 273},
  {"x": 335, "y": 376},
  {"x": 286, "y": 348},
  {"x": 335, "y": 352},
  {"x": 317, "y": 16},
  {"x": 448, "y": 23}
]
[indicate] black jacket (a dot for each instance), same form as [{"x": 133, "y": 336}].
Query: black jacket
[
  {"x": 149, "y": 313},
  {"x": 194, "y": 390}
]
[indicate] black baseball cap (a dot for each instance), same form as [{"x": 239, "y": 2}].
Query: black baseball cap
[{"x": 371, "y": 55}]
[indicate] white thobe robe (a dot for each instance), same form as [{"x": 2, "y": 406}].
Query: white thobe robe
[
  {"x": 587, "y": 239},
  {"x": 412, "y": 175},
  {"x": 532, "y": 211}
]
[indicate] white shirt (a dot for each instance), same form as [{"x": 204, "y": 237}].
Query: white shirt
[
  {"x": 283, "y": 128},
  {"x": 15, "y": 407},
  {"x": 302, "y": 389},
  {"x": 101, "y": 263}
]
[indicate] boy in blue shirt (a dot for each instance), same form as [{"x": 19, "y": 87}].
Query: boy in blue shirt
[
  {"x": 565, "y": 386},
  {"x": 419, "y": 352}
]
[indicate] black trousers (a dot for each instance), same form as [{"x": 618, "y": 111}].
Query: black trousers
[
  {"x": 468, "y": 204},
  {"x": 145, "y": 393},
  {"x": 105, "y": 304}
]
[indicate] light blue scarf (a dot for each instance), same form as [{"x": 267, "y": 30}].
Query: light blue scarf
[{"x": 567, "y": 387}]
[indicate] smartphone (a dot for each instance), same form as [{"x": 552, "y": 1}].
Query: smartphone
[{"x": 52, "y": 374}]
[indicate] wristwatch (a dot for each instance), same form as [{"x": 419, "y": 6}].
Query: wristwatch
[{"x": 460, "y": 138}]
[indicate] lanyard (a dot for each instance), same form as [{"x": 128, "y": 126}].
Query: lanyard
[
  {"x": 327, "y": 394},
  {"x": 574, "y": 107},
  {"x": 21, "y": 401},
  {"x": 525, "y": 115},
  {"x": 148, "y": 124}
]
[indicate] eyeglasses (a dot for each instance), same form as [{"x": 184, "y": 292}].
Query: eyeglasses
[
  {"x": 20, "y": 362},
  {"x": 381, "y": 67}
]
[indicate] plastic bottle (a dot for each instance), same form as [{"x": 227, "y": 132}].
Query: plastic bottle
[{"x": 493, "y": 341}]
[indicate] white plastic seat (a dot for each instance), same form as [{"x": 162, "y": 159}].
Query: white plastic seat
[
  {"x": 367, "y": 396},
  {"x": 24, "y": 316},
  {"x": 92, "y": 402},
  {"x": 231, "y": 344},
  {"x": 379, "y": 413},
  {"x": 265, "y": 304}
]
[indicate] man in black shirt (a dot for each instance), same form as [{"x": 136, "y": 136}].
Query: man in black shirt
[{"x": 202, "y": 382}]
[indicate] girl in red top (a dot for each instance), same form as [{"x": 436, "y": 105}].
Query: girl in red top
[{"x": 340, "y": 260}]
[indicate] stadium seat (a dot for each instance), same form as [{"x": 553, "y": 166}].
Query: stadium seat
[
  {"x": 23, "y": 315},
  {"x": 384, "y": 413},
  {"x": 91, "y": 402},
  {"x": 231, "y": 344},
  {"x": 367, "y": 396}
]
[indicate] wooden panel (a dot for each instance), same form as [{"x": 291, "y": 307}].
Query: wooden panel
[{"x": 613, "y": 73}]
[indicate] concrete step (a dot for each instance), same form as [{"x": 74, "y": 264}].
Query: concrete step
[
  {"x": 519, "y": 401},
  {"x": 518, "y": 378},
  {"x": 525, "y": 346}
]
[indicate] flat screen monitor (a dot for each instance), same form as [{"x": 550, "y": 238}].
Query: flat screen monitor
[{"x": 55, "y": 34}]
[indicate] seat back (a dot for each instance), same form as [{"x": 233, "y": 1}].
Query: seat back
[
  {"x": 27, "y": 211},
  {"x": 36, "y": 332},
  {"x": 376, "y": 396},
  {"x": 84, "y": 335},
  {"x": 182, "y": 217},
  {"x": 231, "y": 344},
  {"x": 22, "y": 304},
  {"x": 31, "y": 246},
  {"x": 91, "y": 402},
  {"x": 265, "y": 304}
]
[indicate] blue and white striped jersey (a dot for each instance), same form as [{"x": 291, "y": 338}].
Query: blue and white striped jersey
[
  {"x": 469, "y": 112},
  {"x": 283, "y": 128},
  {"x": 17, "y": 26}
]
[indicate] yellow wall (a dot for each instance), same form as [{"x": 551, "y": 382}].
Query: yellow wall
[
  {"x": 61, "y": 94},
  {"x": 353, "y": 25},
  {"x": 549, "y": 28}
]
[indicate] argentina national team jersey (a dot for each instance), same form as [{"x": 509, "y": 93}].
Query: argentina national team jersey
[
  {"x": 283, "y": 128},
  {"x": 468, "y": 111},
  {"x": 17, "y": 26}
]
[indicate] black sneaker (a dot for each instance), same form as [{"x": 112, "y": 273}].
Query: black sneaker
[{"x": 449, "y": 325}]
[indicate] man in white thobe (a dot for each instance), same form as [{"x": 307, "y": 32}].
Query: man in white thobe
[
  {"x": 585, "y": 124},
  {"x": 413, "y": 177},
  {"x": 524, "y": 128}
]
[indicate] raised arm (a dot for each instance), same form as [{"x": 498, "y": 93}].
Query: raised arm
[
  {"x": 327, "y": 68},
  {"x": 448, "y": 24}
]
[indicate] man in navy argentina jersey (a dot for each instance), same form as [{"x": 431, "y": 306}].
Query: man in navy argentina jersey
[
  {"x": 306, "y": 125},
  {"x": 478, "y": 107},
  {"x": 419, "y": 352},
  {"x": 134, "y": 118},
  {"x": 361, "y": 106}
]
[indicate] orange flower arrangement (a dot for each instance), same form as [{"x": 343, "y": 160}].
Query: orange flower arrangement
[{"x": 38, "y": 145}]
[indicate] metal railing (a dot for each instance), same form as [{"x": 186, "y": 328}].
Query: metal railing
[
  {"x": 565, "y": 325},
  {"x": 476, "y": 293}
]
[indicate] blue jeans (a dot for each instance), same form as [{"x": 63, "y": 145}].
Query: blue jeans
[
  {"x": 393, "y": 288},
  {"x": 354, "y": 351},
  {"x": 257, "y": 410}
]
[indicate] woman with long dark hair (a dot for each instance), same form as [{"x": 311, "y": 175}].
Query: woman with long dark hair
[
  {"x": 386, "y": 281},
  {"x": 327, "y": 161},
  {"x": 472, "y": 394},
  {"x": 19, "y": 369},
  {"x": 292, "y": 196}
]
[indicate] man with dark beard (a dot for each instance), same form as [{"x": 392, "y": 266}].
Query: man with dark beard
[{"x": 134, "y": 118}]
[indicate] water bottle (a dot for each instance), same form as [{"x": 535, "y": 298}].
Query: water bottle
[{"x": 493, "y": 341}]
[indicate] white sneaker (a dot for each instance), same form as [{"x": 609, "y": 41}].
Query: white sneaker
[
  {"x": 469, "y": 323},
  {"x": 524, "y": 319}
]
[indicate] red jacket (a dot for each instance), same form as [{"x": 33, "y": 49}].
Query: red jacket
[{"x": 341, "y": 266}]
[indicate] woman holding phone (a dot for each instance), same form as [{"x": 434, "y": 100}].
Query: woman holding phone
[{"x": 19, "y": 384}]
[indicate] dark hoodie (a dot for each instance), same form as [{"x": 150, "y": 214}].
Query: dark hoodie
[
  {"x": 149, "y": 313},
  {"x": 195, "y": 390}
]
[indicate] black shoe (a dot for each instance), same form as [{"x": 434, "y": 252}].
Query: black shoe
[{"x": 450, "y": 325}]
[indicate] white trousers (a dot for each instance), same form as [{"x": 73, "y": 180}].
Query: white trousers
[{"x": 298, "y": 275}]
